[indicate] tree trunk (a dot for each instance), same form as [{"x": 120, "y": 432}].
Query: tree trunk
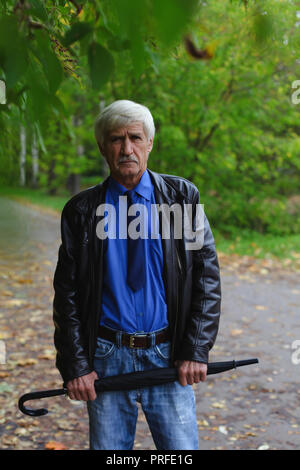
[
  {"x": 22, "y": 155},
  {"x": 73, "y": 181},
  {"x": 51, "y": 178},
  {"x": 35, "y": 161}
]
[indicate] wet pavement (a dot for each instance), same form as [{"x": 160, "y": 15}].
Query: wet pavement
[{"x": 248, "y": 408}]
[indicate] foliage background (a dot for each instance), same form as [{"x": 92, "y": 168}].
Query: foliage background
[{"x": 224, "y": 119}]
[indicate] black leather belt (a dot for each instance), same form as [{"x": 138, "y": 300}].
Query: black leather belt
[{"x": 134, "y": 341}]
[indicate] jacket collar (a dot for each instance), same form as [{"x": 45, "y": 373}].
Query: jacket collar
[
  {"x": 165, "y": 189},
  {"x": 144, "y": 188},
  {"x": 164, "y": 193}
]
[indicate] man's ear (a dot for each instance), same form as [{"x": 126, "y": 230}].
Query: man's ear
[{"x": 150, "y": 145}]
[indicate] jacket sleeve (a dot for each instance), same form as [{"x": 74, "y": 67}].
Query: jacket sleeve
[
  {"x": 72, "y": 357},
  {"x": 202, "y": 326}
]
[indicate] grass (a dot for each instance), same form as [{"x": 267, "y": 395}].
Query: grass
[
  {"x": 260, "y": 245},
  {"x": 243, "y": 243},
  {"x": 38, "y": 197}
]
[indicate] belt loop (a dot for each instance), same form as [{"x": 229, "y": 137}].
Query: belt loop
[
  {"x": 153, "y": 338},
  {"x": 119, "y": 338}
]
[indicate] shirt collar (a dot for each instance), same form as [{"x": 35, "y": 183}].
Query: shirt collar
[{"x": 144, "y": 188}]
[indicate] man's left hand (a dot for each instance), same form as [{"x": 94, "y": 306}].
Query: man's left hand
[{"x": 190, "y": 372}]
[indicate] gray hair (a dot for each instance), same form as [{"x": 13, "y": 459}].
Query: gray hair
[{"x": 119, "y": 114}]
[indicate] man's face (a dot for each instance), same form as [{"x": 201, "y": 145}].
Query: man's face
[{"x": 126, "y": 151}]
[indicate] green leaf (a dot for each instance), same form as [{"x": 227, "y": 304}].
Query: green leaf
[
  {"x": 38, "y": 9},
  {"x": 76, "y": 32},
  {"x": 138, "y": 55},
  {"x": 263, "y": 26},
  {"x": 51, "y": 65},
  {"x": 3, "y": 5},
  {"x": 40, "y": 137},
  {"x": 13, "y": 53},
  {"x": 101, "y": 65},
  {"x": 171, "y": 17}
]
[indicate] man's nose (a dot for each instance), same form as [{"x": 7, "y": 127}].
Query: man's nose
[{"x": 127, "y": 146}]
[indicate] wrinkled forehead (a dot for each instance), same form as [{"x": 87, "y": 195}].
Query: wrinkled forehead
[{"x": 136, "y": 127}]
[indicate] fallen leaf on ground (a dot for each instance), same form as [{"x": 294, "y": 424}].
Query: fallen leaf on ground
[
  {"x": 217, "y": 404},
  {"x": 13, "y": 303},
  {"x": 47, "y": 355},
  {"x": 263, "y": 447},
  {"x": 223, "y": 430},
  {"x": 25, "y": 281},
  {"x": 4, "y": 374},
  {"x": 236, "y": 332},
  {"x": 7, "y": 293},
  {"x": 53, "y": 445},
  {"x": 26, "y": 362},
  {"x": 202, "y": 422}
]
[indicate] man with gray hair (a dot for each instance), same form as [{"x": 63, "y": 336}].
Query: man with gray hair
[{"x": 134, "y": 301}]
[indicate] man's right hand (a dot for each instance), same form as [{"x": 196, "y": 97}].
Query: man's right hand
[{"x": 82, "y": 388}]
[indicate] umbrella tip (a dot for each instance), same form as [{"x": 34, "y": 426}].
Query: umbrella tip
[{"x": 246, "y": 362}]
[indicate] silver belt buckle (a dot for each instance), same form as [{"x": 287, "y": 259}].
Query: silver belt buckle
[
  {"x": 131, "y": 341},
  {"x": 132, "y": 338}
]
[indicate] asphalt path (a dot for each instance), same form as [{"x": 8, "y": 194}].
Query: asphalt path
[{"x": 254, "y": 407}]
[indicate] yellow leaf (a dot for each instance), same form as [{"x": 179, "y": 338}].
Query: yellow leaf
[
  {"x": 7, "y": 293},
  {"x": 13, "y": 303},
  {"x": 236, "y": 332},
  {"x": 25, "y": 281},
  {"x": 217, "y": 404}
]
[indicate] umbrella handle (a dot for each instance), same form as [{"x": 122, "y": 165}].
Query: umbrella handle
[{"x": 36, "y": 396}]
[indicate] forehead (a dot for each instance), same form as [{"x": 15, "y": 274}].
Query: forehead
[{"x": 131, "y": 128}]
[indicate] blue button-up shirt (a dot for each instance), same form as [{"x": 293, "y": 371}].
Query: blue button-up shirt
[{"x": 122, "y": 309}]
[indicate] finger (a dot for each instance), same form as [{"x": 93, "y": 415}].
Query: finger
[
  {"x": 92, "y": 394},
  {"x": 92, "y": 391},
  {"x": 76, "y": 394},
  {"x": 197, "y": 377},
  {"x": 87, "y": 389},
  {"x": 182, "y": 377},
  {"x": 82, "y": 391},
  {"x": 203, "y": 376},
  {"x": 89, "y": 392},
  {"x": 71, "y": 392},
  {"x": 190, "y": 374},
  {"x": 190, "y": 377},
  {"x": 71, "y": 395}
]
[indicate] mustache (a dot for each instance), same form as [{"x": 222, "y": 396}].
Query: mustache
[{"x": 128, "y": 158}]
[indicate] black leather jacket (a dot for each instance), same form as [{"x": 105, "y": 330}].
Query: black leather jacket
[{"x": 191, "y": 279}]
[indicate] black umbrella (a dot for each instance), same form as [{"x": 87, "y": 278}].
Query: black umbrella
[{"x": 130, "y": 381}]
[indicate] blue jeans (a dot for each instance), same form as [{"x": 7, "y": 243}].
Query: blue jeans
[{"x": 169, "y": 409}]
